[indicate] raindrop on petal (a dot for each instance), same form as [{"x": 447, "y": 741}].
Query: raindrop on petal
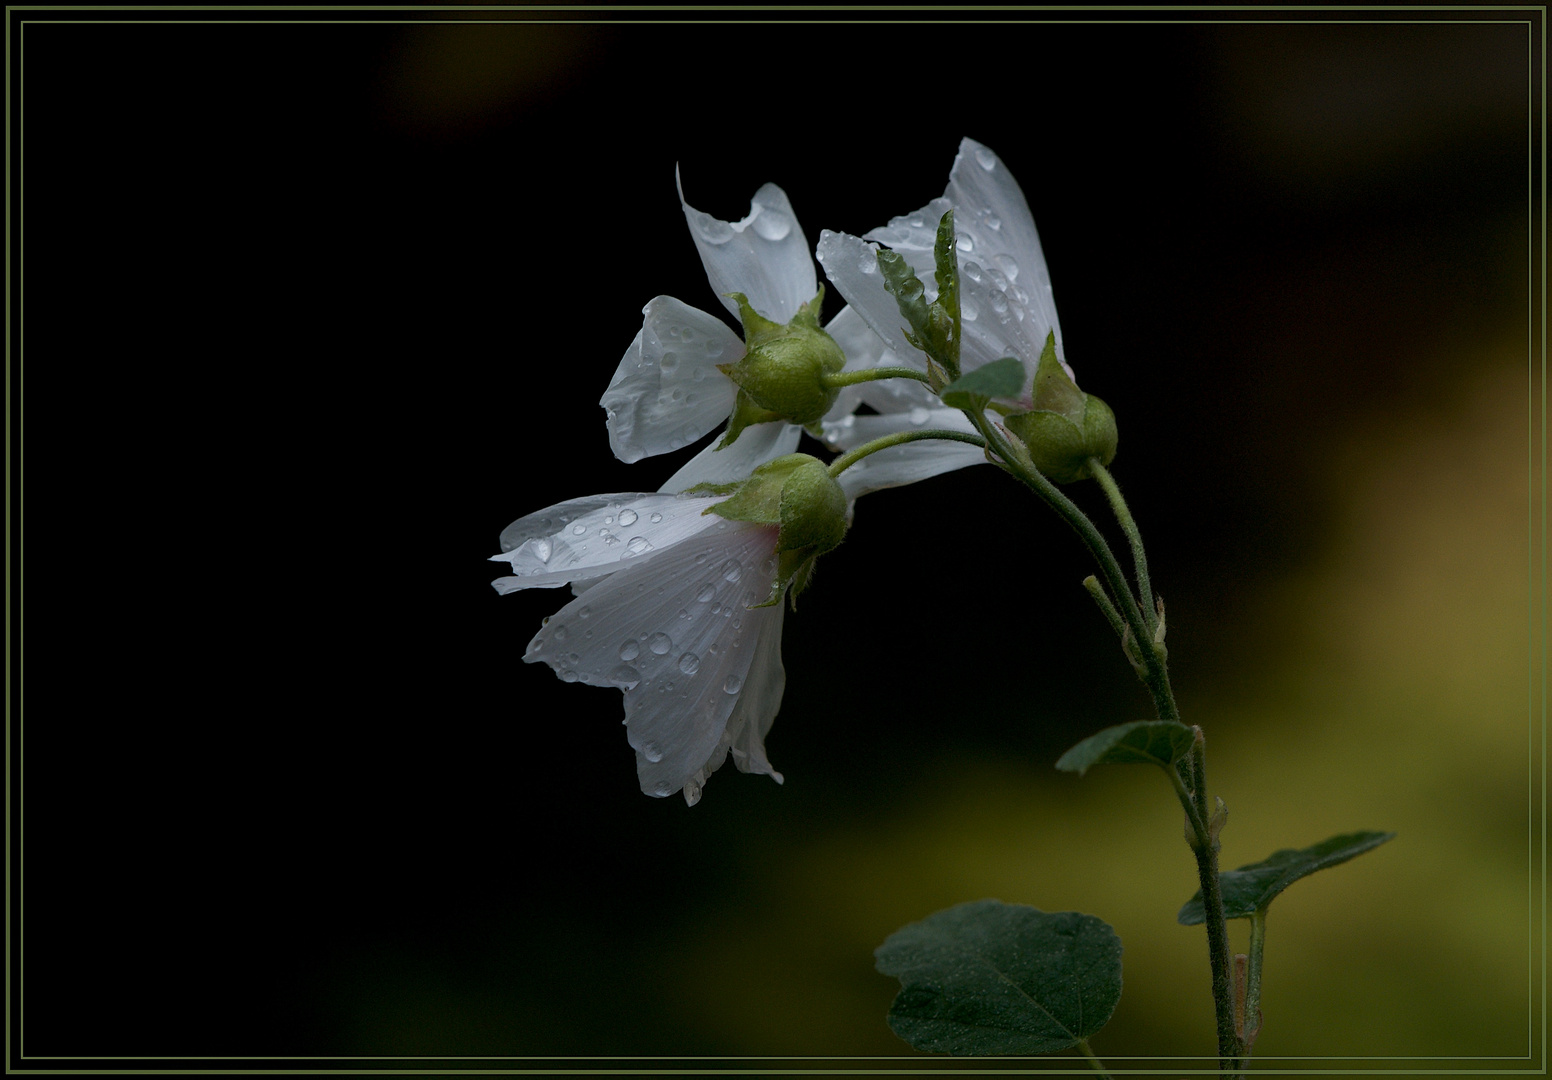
[
  {"x": 659, "y": 643},
  {"x": 627, "y": 517},
  {"x": 706, "y": 593},
  {"x": 655, "y": 518},
  {"x": 771, "y": 224},
  {"x": 625, "y": 676},
  {"x": 919, "y": 415},
  {"x": 731, "y": 570},
  {"x": 985, "y": 158},
  {"x": 630, "y": 650},
  {"x": 637, "y": 545},
  {"x": 689, "y": 663},
  {"x": 652, "y": 752},
  {"x": 733, "y": 685}
]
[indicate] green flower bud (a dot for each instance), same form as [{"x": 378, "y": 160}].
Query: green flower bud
[
  {"x": 782, "y": 373},
  {"x": 1066, "y": 427},
  {"x": 797, "y": 494}
]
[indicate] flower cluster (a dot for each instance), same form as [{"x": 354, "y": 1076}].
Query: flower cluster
[{"x": 680, "y": 594}]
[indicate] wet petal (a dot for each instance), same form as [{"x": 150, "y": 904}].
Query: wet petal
[
  {"x": 584, "y": 538},
  {"x": 852, "y": 267},
  {"x": 754, "y": 446},
  {"x": 677, "y": 635},
  {"x": 864, "y": 350},
  {"x": 851, "y": 431},
  {"x": 667, "y": 391},
  {"x": 765, "y": 256},
  {"x": 909, "y": 462}
]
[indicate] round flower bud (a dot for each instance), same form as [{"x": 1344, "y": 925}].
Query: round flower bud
[
  {"x": 1060, "y": 447},
  {"x": 784, "y": 366}
]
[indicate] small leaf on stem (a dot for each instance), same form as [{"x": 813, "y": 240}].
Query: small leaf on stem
[
  {"x": 1144, "y": 742},
  {"x": 1253, "y": 887},
  {"x": 994, "y": 978},
  {"x": 1000, "y": 379}
]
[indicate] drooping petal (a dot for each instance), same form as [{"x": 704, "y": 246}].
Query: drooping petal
[
  {"x": 908, "y": 462},
  {"x": 765, "y": 256},
  {"x": 757, "y": 704},
  {"x": 667, "y": 391},
  {"x": 585, "y": 538},
  {"x": 679, "y": 638},
  {"x": 754, "y": 446}
]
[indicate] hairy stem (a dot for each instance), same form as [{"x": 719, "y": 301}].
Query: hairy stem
[
  {"x": 851, "y": 378},
  {"x": 1124, "y": 515},
  {"x": 1094, "y": 1062},
  {"x": 857, "y": 453}
]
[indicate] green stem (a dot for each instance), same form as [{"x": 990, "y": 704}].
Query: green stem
[
  {"x": 851, "y": 378},
  {"x": 1253, "y": 977},
  {"x": 1124, "y": 516},
  {"x": 1094, "y": 1062},
  {"x": 1097, "y": 591},
  {"x": 857, "y": 453},
  {"x": 1155, "y": 675}
]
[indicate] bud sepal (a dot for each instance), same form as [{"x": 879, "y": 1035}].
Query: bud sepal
[
  {"x": 782, "y": 373},
  {"x": 1066, "y": 427}
]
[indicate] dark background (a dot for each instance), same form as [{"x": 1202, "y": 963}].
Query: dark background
[{"x": 311, "y": 311}]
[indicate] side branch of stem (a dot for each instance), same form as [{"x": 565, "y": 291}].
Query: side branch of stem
[{"x": 857, "y": 453}]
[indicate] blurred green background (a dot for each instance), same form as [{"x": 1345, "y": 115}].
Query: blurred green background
[{"x": 354, "y": 289}]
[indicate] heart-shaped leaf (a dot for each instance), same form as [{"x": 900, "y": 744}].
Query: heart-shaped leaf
[
  {"x": 1252, "y": 887},
  {"x": 994, "y": 978},
  {"x": 1145, "y": 742}
]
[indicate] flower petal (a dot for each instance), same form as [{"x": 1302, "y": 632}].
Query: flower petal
[
  {"x": 678, "y": 636},
  {"x": 667, "y": 391},
  {"x": 754, "y": 446},
  {"x": 584, "y": 538},
  {"x": 764, "y": 256},
  {"x": 852, "y": 267}
]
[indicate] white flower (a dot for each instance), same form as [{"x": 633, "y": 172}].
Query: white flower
[
  {"x": 667, "y": 392},
  {"x": 1006, "y": 305},
  {"x": 662, "y": 612}
]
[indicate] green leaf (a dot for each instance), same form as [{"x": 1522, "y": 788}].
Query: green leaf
[
  {"x": 1251, "y": 888},
  {"x": 995, "y": 978},
  {"x": 1145, "y": 742},
  {"x": 1000, "y": 379},
  {"x": 933, "y": 328}
]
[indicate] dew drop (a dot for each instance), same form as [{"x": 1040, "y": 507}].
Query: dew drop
[
  {"x": 919, "y": 415},
  {"x": 584, "y": 611},
  {"x": 985, "y": 158},
  {"x": 578, "y": 530},
  {"x": 999, "y": 303},
  {"x": 625, "y": 676},
  {"x": 627, "y": 517},
  {"x": 560, "y": 633},
  {"x": 683, "y": 614},
  {"x": 731, "y": 570},
  {"x": 710, "y": 229},
  {"x": 972, "y": 270},
  {"x": 867, "y": 262},
  {"x": 689, "y": 663},
  {"x": 965, "y": 242},
  {"x": 637, "y": 545},
  {"x": 968, "y": 309},
  {"x": 662, "y": 790},
  {"x": 669, "y": 363},
  {"x": 771, "y": 224},
  {"x": 569, "y": 676},
  {"x": 541, "y": 549},
  {"x": 630, "y": 650},
  {"x": 993, "y": 222},
  {"x": 1006, "y": 264},
  {"x": 659, "y": 643},
  {"x": 609, "y": 520},
  {"x": 652, "y": 752},
  {"x": 692, "y": 792},
  {"x": 706, "y": 593},
  {"x": 655, "y": 518},
  {"x": 733, "y": 685}
]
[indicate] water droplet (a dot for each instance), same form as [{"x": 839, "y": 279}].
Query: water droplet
[
  {"x": 710, "y": 229},
  {"x": 609, "y": 520},
  {"x": 738, "y": 622},
  {"x": 733, "y": 685},
  {"x": 689, "y": 663},
  {"x": 731, "y": 570},
  {"x": 706, "y": 593},
  {"x": 716, "y": 609},
  {"x": 683, "y": 614},
  {"x": 993, "y": 222},
  {"x": 968, "y": 309},
  {"x": 692, "y": 792},
  {"x": 560, "y": 633},
  {"x": 578, "y": 530},
  {"x": 985, "y": 158},
  {"x": 652, "y": 752},
  {"x": 1006, "y": 264},
  {"x": 971, "y": 270},
  {"x": 630, "y": 650},
  {"x": 662, "y": 790},
  {"x": 669, "y": 362},
  {"x": 584, "y": 612},
  {"x": 771, "y": 224},
  {"x": 999, "y": 303},
  {"x": 655, "y": 518},
  {"x": 535, "y": 645},
  {"x": 659, "y": 643},
  {"x": 965, "y": 242},
  {"x": 867, "y": 262},
  {"x": 917, "y": 221},
  {"x": 625, "y": 676},
  {"x": 627, "y": 517},
  {"x": 541, "y": 549},
  {"x": 637, "y": 545},
  {"x": 919, "y": 415}
]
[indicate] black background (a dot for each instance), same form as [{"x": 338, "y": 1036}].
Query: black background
[{"x": 310, "y": 311}]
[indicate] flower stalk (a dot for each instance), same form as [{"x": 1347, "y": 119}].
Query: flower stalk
[{"x": 898, "y": 438}]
